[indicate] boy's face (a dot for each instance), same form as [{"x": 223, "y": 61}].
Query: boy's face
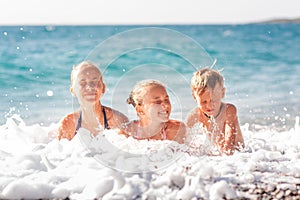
[
  {"x": 88, "y": 86},
  {"x": 156, "y": 104},
  {"x": 209, "y": 101}
]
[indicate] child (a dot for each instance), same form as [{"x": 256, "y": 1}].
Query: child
[
  {"x": 219, "y": 119},
  {"x": 153, "y": 107},
  {"x": 87, "y": 85}
]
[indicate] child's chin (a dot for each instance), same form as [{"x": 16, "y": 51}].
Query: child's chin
[
  {"x": 91, "y": 100},
  {"x": 164, "y": 119}
]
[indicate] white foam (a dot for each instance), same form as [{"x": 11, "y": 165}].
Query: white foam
[{"x": 35, "y": 165}]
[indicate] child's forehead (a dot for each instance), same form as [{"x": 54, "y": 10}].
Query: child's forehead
[
  {"x": 155, "y": 90},
  {"x": 88, "y": 72},
  {"x": 217, "y": 89}
]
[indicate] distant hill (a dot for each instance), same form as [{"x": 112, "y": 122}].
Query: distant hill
[{"x": 279, "y": 21}]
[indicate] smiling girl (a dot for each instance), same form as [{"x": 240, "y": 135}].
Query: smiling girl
[{"x": 152, "y": 104}]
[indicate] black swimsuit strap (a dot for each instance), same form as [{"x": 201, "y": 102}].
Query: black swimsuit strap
[
  {"x": 106, "y": 126},
  {"x": 78, "y": 123},
  {"x": 105, "y": 119}
]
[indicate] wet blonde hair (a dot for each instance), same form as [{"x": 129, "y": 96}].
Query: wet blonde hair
[
  {"x": 82, "y": 65},
  {"x": 138, "y": 92},
  {"x": 206, "y": 78}
]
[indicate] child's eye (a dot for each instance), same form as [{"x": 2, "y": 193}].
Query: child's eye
[
  {"x": 161, "y": 101},
  {"x": 94, "y": 83},
  {"x": 158, "y": 102},
  {"x": 82, "y": 83}
]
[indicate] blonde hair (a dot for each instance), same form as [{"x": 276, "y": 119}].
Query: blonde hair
[
  {"x": 136, "y": 96},
  {"x": 82, "y": 65},
  {"x": 206, "y": 78}
]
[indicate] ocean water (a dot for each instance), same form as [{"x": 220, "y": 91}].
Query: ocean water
[{"x": 260, "y": 63}]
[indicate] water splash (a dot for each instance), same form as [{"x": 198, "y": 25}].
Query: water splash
[{"x": 297, "y": 124}]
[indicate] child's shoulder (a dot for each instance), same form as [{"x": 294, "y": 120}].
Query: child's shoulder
[
  {"x": 130, "y": 126},
  {"x": 68, "y": 125},
  {"x": 176, "y": 130},
  {"x": 71, "y": 117},
  {"x": 173, "y": 122},
  {"x": 193, "y": 117},
  {"x": 115, "y": 113},
  {"x": 230, "y": 108}
]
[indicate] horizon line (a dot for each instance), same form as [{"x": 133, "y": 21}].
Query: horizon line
[{"x": 271, "y": 20}]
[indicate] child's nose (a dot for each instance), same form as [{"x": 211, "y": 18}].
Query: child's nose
[
  {"x": 91, "y": 85},
  {"x": 165, "y": 104},
  {"x": 210, "y": 105}
]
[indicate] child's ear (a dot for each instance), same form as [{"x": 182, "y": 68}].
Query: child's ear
[
  {"x": 223, "y": 92},
  {"x": 72, "y": 91},
  {"x": 103, "y": 88},
  {"x": 193, "y": 94},
  {"x": 139, "y": 110}
]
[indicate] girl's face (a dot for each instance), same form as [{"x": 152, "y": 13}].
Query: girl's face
[
  {"x": 156, "y": 104},
  {"x": 88, "y": 86},
  {"x": 209, "y": 101}
]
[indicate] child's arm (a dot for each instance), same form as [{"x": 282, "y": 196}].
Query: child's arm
[
  {"x": 192, "y": 118},
  {"x": 181, "y": 133},
  {"x": 233, "y": 136}
]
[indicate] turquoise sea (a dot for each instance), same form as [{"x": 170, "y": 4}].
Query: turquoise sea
[{"x": 260, "y": 63}]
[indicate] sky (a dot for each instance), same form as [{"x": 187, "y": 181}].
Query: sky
[{"x": 78, "y": 12}]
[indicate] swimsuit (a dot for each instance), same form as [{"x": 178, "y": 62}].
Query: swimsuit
[{"x": 80, "y": 120}]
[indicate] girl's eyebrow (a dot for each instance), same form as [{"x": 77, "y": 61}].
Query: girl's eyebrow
[
  {"x": 84, "y": 79},
  {"x": 167, "y": 96}
]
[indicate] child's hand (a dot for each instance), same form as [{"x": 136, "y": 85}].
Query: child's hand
[{"x": 226, "y": 144}]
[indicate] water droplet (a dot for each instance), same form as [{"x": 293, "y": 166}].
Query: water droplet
[{"x": 50, "y": 93}]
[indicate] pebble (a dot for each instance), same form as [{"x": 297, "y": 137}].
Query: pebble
[{"x": 264, "y": 191}]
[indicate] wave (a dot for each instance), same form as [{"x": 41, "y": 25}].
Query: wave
[{"x": 36, "y": 165}]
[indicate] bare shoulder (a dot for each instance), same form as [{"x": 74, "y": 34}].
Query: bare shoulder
[
  {"x": 193, "y": 117},
  {"x": 67, "y": 126},
  {"x": 231, "y": 110},
  {"x": 119, "y": 117},
  {"x": 175, "y": 123},
  {"x": 178, "y": 127},
  {"x": 72, "y": 115},
  {"x": 127, "y": 128}
]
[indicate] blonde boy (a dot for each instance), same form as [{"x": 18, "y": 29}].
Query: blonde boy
[{"x": 218, "y": 118}]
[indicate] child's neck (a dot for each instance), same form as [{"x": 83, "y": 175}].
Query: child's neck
[
  {"x": 92, "y": 117},
  {"x": 214, "y": 117},
  {"x": 151, "y": 129}
]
